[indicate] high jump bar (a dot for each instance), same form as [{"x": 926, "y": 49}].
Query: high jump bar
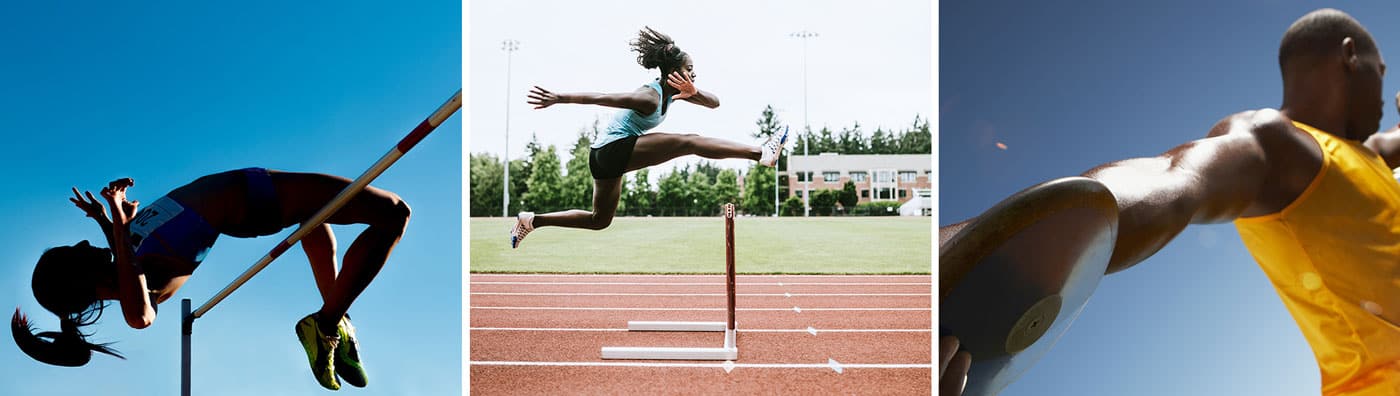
[
  {"x": 452, "y": 105},
  {"x": 730, "y": 350},
  {"x": 418, "y": 133}
]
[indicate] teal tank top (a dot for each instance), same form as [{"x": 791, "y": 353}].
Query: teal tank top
[{"x": 628, "y": 123}]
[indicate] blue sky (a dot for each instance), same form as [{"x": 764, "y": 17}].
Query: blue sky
[
  {"x": 1068, "y": 87},
  {"x": 168, "y": 92}
]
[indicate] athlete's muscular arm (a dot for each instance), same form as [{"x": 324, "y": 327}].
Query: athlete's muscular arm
[
  {"x": 132, "y": 292},
  {"x": 688, "y": 91},
  {"x": 642, "y": 101},
  {"x": 1387, "y": 144},
  {"x": 1211, "y": 180}
]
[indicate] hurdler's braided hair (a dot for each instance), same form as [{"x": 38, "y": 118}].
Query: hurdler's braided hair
[{"x": 657, "y": 50}]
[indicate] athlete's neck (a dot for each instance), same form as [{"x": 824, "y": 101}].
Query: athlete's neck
[
  {"x": 1316, "y": 99},
  {"x": 1335, "y": 126},
  {"x": 666, "y": 89}
]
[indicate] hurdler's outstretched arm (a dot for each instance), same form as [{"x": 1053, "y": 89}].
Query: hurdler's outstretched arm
[{"x": 643, "y": 100}]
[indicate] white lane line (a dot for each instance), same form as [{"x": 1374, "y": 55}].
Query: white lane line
[
  {"x": 691, "y": 309},
  {"x": 823, "y": 366},
  {"x": 710, "y": 294},
  {"x": 741, "y": 330},
  {"x": 711, "y": 283}
]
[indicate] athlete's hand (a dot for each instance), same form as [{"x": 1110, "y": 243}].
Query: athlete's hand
[
  {"x": 542, "y": 98},
  {"x": 122, "y": 183},
  {"x": 682, "y": 82},
  {"x": 90, "y": 205},
  {"x": 952, "y": 366},
  {"x": 123, "y": 211}
]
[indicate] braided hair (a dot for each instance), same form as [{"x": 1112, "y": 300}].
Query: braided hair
[
  {"x": 65, "y": 283},
  {"x": 657, "y": 50}
]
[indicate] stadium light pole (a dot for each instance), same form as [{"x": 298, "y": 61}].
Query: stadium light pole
[
  {"x": 509, "y": 46},
  {"x": 806, "y": 128}
]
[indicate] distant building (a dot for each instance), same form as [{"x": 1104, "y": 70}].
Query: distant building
[
  {"x": 921, "y": 205},
  {"x": 878, "y": 177}
]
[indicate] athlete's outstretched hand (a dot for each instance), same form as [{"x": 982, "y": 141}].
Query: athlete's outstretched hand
[
  {"x": 952, "y": 366},
  {"x": 542, "y": 98},
  {"x": 90, "y": 205},
  {"x": 682, "y": 82}
]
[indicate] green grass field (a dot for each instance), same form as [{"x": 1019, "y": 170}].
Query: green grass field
[{"x": 763, "y": 245}]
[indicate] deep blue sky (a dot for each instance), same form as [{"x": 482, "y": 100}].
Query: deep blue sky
[
  {"x": 1066, "y": 87},
  {"x": 168, "y": 92}
]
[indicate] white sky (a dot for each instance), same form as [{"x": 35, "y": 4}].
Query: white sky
[{"x": 872, "y": 63}]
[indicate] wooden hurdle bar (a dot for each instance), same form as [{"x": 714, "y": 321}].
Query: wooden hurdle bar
[{"x": 730, "y": 350}]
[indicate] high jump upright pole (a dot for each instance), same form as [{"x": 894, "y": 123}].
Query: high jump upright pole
[{"x": 452, "y": 105}]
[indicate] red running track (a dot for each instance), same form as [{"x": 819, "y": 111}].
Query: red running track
[{"x": 798, "y": 334}]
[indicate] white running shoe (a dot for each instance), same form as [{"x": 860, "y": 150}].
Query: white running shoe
[
  {"x": 773, "y": 148},
  {"x": 524, "y": 223}
]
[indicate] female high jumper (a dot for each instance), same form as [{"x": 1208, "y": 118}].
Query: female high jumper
[
  {"x": 156, "y": 249},
  {"x": 626, "y": 146}
]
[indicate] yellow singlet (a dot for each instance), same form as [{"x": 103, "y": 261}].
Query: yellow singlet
[{"x": 1333, "y": 255}]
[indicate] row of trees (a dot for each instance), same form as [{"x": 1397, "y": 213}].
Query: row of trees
[
  {"x": 915, "y": 140},
  {"x": 541, "y": 183}
]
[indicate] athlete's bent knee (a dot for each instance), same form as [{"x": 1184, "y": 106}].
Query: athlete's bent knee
[
  {"x": 397, "y": 213},
  {"x": 402, "y": 211},
  {"x": 600, "y": 222}
]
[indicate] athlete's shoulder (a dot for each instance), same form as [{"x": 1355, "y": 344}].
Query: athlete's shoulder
[{"x": 1258, "y": 122}]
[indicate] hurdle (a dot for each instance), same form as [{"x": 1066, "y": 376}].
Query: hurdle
[
  {"x": 730, "y": 350},
  {"x": 452, "y": 105}
]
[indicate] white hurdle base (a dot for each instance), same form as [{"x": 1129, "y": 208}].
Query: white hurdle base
[
  {"x": 675, "y": 326},
  {"x": 730, "y": 351}
]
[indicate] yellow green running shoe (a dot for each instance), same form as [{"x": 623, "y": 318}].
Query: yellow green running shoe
[
  {"x": 319, "y": 350},
  {"x": 347, "y": 356}
]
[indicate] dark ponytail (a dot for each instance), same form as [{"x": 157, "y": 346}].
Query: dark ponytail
[
  {"x": 65, "y": 283},
  {"x": 657, "y": 50},
  {"x": 68, "y": 348}
]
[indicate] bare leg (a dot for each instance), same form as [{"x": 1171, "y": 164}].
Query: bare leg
[
  {"x": 657, "y": 147},
  {"x": 302, "y": 194},
  {"x": 319, "y": 246},
  {"x": 650, "y": 149},
  {"x": 605, "y": 196}
]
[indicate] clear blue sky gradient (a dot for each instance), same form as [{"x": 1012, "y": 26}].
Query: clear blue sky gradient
[
  {"x": 165, "y": 93},
  {"x": 1068, "y": 87}
]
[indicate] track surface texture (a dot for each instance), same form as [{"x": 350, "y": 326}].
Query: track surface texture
[{"x": 798, "y": 334}]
